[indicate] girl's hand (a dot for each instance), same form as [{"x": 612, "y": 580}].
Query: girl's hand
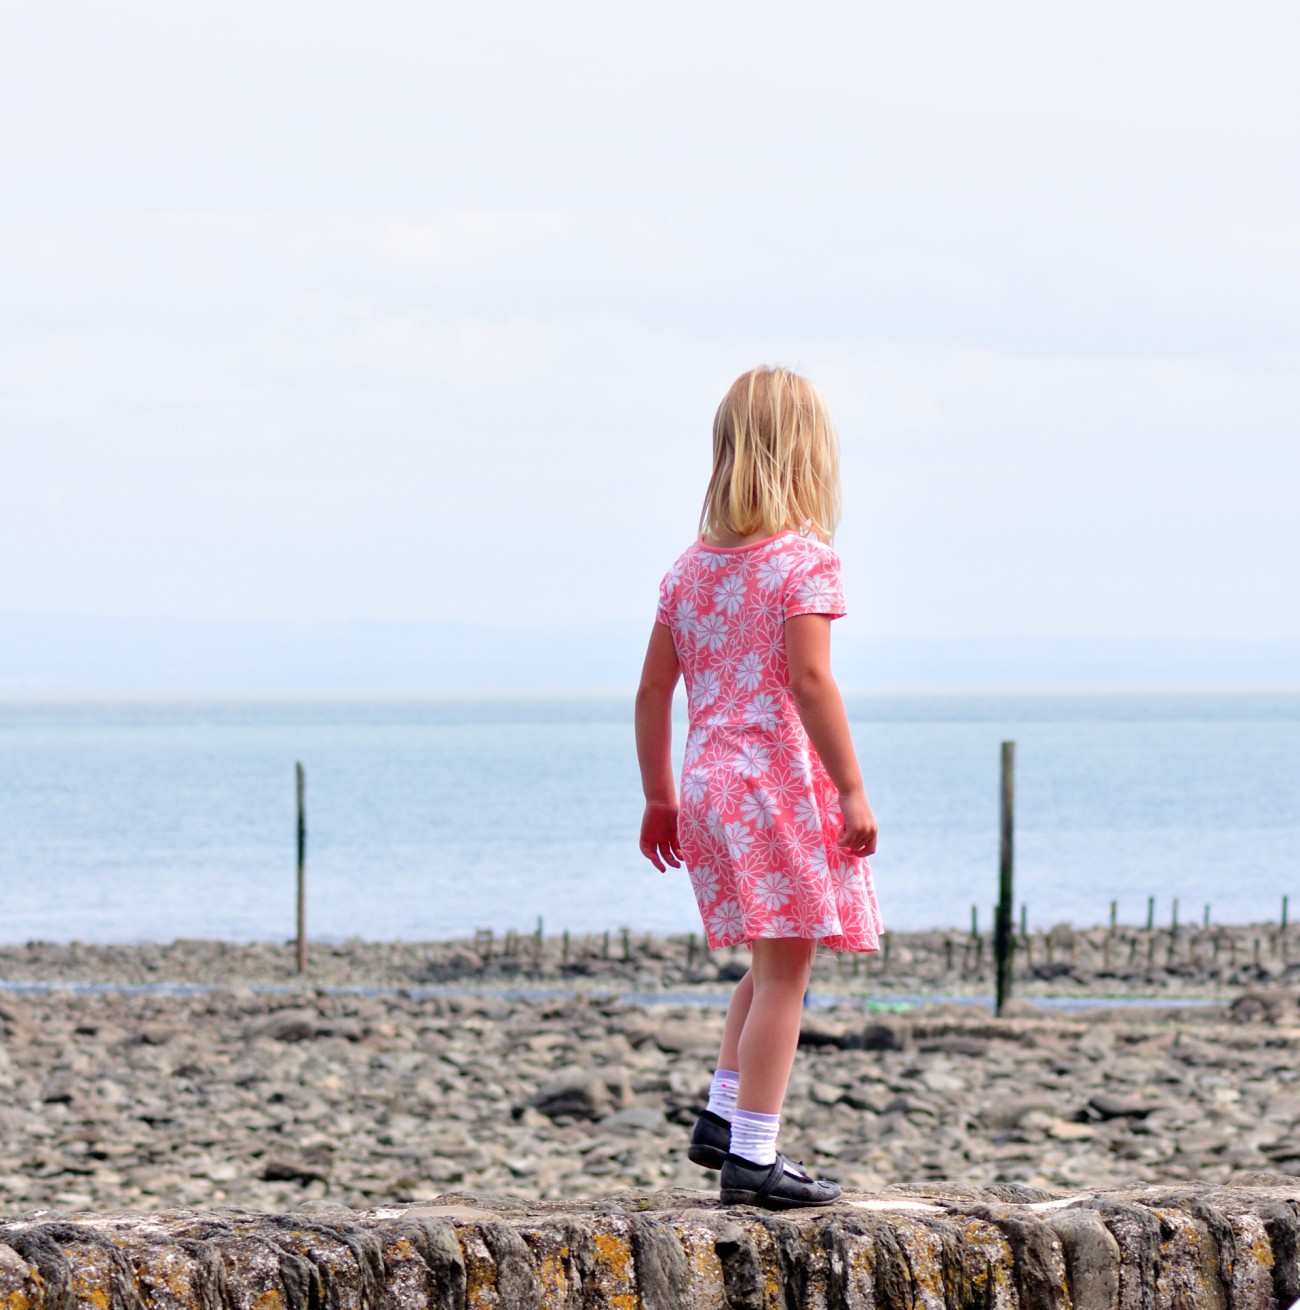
[
  {"x": 659, "y": 836},
  {"x": 858, "y": 835}
]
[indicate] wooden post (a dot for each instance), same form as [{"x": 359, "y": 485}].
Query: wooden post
[
  {"x": 1206, "y": 921},
  {"x": 974, "y": 921},
  {"x": 627, "y": 944},
  {"x": 1006, "y": 872},
  {"x": 1151, "y": 913},
  {"x": 1114, "y": 914},
  {"x": 537, "y": 947},
  {"x": 1173, "y": 922},
  {"x": 1024, "y": 919},
  {"x": 300, "y": 778},
  {"x": 1285, "y": 899}
]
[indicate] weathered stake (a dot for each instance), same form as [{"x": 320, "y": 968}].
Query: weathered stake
[
  {"x": 1006, "y": 871},
  {"x": 300, "y": 778},
  {"x": 1151, "y": 913}
]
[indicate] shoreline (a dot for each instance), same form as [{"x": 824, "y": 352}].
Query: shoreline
[
  {"x": 1124, "y": 964},
  {"x": 302, "y": 1098}
]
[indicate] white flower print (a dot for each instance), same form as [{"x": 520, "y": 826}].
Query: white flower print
[
  {"x": 802, "y": 842},
  {"x": 815, "y": 918},
  {"x": 807, "y": 814},
  {"x": 752, "y": 865},
  {"x": 727, "y": 921},
  {"x": 737, "y": 837},
  {"x": 749, "y": 670},
  {"x": 717, "y": 826},
  {"x": 843, "y": 879},
  {"x": 706, "y": 881},
  {"x": 756, "y": 802},
  {"x": 783, "y": 784},
  {"x": 768, "y": 607},
  {"x": 752, "y": 759},
  {"x": 773, "y": 570},
  {"x": 730, "y": 703},
  {"x": 695, "y": 785},
  {"x": 773, "y": 647},
  {"x": 758, "y": 808},
  {"x": 707, "y": 684},
  {"x": 818, "y": 593},
  {"x": 771, "y": 846},
  {"x": 695, "y": 587},
  {"x": 729, "y": 594},
  {"x": 692, "y": 828},
  {"x": 763, "y": 712},
  {"x": 773, "y": 890},
  {"x": 727, "y": 790},
  {"x": 781, "y": 926},
  {"x": 711, "y": 631}
]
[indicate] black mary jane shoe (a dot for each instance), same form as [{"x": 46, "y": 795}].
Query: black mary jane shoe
[
  {"x": 710, "y": 1141},
  {"x": 782, "y": 1185}
]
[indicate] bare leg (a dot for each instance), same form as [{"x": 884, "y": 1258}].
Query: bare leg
[
  {"x": 779, "y": 974},
  {"x": 737, "y": 1012}
]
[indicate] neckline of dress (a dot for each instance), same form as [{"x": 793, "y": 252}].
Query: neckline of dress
[{"x": 753, "y": 545}]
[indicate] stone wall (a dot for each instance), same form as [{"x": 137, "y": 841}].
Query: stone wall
[{"x": 922, "y": 1248}]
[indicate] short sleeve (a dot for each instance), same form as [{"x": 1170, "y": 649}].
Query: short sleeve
[
  {"x": 814, "y": 586},
  {"x": 664, "y": 610}
]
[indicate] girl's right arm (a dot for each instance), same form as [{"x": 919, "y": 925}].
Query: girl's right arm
[
  {"x": 820, "y": 706},
  {"x": 654, "y": 736}
]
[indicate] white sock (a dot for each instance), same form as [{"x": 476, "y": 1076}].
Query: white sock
[
  {"x": 722, "y": 1093},
  {"x": 753, "y": 1136}
]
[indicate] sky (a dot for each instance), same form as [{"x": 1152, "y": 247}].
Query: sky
[{"x": 395, "y": 318}]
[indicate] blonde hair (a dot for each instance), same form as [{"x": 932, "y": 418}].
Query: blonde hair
[{"x": 776, "y": 464}]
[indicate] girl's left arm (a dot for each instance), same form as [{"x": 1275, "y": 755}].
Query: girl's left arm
[{"x": 654, "y": 738}]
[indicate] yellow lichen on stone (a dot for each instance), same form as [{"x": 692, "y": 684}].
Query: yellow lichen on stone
[
  {"x": 554, "y": 1258},
  {"x": 269, "y": 1300},
  {"x": 91, "y": 1292},
  {"x": 480, "y": 1271},
  {"x": 1252, "y": 1267},
  {"x": 700, "y": 1247},
  {"x": 995, "y": 1277},
  {"x": 616, "y": 1268},
  {"x": 924, "y": 1249}
]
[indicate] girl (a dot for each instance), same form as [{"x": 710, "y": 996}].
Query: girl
[{"x": 774, "y": 824}]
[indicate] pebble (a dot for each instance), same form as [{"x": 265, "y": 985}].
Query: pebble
[{"x": 304, "y": 1098}]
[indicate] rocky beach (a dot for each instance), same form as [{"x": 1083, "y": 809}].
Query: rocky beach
[{"x": 207, "y": 1073}]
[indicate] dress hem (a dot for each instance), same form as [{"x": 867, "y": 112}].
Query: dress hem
[{"x": 835, "y": 942}]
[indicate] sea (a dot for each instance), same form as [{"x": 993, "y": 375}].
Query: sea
[{"x": 148, "y": 820}]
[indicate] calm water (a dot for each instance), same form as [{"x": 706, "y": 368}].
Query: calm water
[{"x": 149, "y": 821}]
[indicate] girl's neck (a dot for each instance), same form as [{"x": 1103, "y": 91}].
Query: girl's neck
[{"x": 729, "y": 541}]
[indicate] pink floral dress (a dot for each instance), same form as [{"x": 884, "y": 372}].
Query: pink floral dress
[{"x": 759, "y": 814}]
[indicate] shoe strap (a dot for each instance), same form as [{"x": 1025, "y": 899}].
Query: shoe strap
[{"x": 774, "y": 1176}]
